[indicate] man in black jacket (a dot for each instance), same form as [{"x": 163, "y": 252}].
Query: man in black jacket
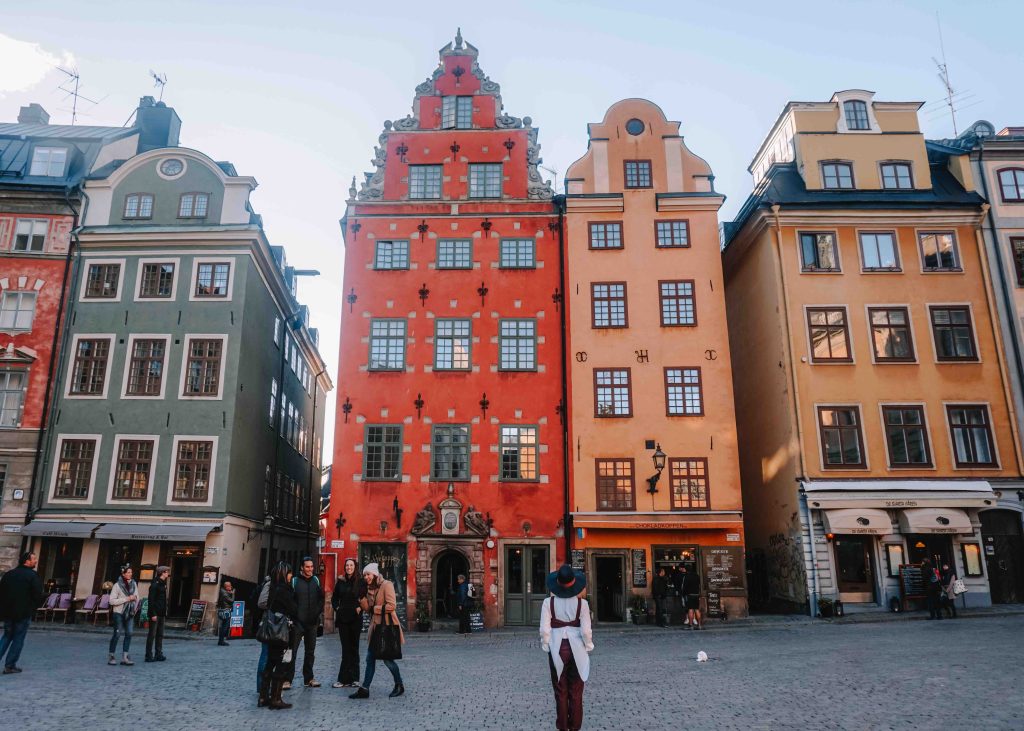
[
  {"x": 157, "y": 615},
  {"x": 660, "y": 591},
  {"x": 21, "y": 593},
  {"x": 309, "y": 596}
]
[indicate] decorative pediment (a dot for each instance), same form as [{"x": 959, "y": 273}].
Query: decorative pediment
[{"x": 18, "y": 354}]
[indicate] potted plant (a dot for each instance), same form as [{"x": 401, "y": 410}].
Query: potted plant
[
  {"x": 423, "y": 622},
  {"x": 639, "y": 608}
]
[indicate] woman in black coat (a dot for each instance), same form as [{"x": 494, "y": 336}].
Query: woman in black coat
[
  {"x": 281, "y": 600},
  {"x": 157, "y": 613},
  {"x": 348, "y": 618}
]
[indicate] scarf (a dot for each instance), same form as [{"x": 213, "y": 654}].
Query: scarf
[{"x": 130, "y": 608}]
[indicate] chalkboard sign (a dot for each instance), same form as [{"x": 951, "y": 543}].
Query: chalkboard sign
[
  {"x": 195, "y": 614},
  {"x": 723, "y": 567},
  {"x": 911, "y": 581},
  {"x": 579, "y": 559},
  {"x": 639, "y": 568},
  {"x": 714, "y": 604},
  {"x": 476, "y": 621},
  {"x": 144, "y": 610}
]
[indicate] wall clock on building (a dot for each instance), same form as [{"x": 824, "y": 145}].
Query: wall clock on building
[{"x": 172, "y": 167}]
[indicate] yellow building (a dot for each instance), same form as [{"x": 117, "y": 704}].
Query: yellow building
[
  {"x": 875, "y": 420},
  {"x": 649, "y": 368}
]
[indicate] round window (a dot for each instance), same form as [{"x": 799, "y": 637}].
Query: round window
[
  {"x": 634, "y": 126},
  {"x": 172, "y": 167}
]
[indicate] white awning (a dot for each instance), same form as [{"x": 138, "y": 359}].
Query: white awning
[
  {"x": 903, "y": 494},
  {"x": 858, "y": 521},
  {"x": 156, "y": 531},
  {"x": 935, "y": 520},
  {"x": 59, "y": 529}
]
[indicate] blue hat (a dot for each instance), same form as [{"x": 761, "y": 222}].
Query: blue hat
[{"x": 567, "y": 582}]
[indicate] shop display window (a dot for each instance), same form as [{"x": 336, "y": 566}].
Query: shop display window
[
  {"x": 893, "y": 558},
  {"x": 971, "y": 554}
]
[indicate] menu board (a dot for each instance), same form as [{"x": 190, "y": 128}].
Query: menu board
[
  {"x": 639, "y": 568},
  {"x": 714, "y": 604},
  {"x": 195, "y": 614},
  {"x": 911, "y": 581},
  {"x": 476, "y": 621},
  {"x": 723, "y": 567},
  {"x": 579, "y": 559}
]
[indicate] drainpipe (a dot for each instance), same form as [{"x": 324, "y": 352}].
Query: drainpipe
[
  {"x": 805, "y": 514},
  {"x": 566, "y": 515}
]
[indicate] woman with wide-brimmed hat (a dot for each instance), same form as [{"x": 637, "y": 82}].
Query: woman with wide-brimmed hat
[{"x": 566, "y": 635}]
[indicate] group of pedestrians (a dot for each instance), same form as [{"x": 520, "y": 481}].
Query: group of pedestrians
[
  {"x": 686, "y": 585},
  {"x": 940, "y": 589}
]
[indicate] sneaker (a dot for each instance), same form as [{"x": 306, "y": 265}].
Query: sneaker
[
  {"x": 111, "y": 660},
  {"x": 287, "y": 685},
  {"x": 339, "y": 684},
  {"x": 314, "y": 683},
  {"x": 11, "y": 670}
]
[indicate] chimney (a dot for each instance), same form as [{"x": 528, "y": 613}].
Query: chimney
[
  {"x": 33, "y": 114},
  {"x": 158, "y": 125}
]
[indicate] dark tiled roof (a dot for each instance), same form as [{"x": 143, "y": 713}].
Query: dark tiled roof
[{"x": 84, "y": 143}]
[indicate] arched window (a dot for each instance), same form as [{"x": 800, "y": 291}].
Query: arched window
[
  {"x": 856, "y": 114},
  {"x": 1011, "y": 184}
]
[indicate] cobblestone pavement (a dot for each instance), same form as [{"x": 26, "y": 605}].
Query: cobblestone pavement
[{"x": 892, "y": 675}]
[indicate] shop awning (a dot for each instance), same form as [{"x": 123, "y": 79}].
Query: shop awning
[
  {"x": 858, "y": 521},
  {"x": 156, "y": 531},
  {"x": 835, "y": 494},
  {"x": 59, "y": 529},
  {"x": 935, "y": 520}
]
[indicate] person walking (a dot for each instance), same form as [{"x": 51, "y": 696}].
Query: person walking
[
  {"x": 124, "y": 604},
  {"x": 380, "y": 602},
  {"x": 932, "y": 588},
  {"x": 225, "y": 601},
  {"x": 280, "y": 599},
  {"x": 348, "y": 618},
  {"x": 21, "y": 593},
  {"x": 464, "y": 603},
  {"x": 262, "y": 597},
  {"x": 691, "y": 596},
  {"x": 157, "y": 613},
  {"x": 567, "y": 638},
  {"x": 659, "y": 591},
  {"x": 948, "y": 578},
  {"x": 309, "y": 597},
  {"x": 676, "y": 585}
]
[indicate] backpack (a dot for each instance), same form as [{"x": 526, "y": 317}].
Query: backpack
[
  {"x": 295, "y": 581},
  {"x": 471, "y": 591}
]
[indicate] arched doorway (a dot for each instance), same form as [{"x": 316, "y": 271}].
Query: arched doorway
[{"x": 447, "y": 568}]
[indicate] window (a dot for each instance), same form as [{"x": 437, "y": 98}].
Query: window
[
  {"x": 88, "y": 376},
  {"x": 1017, "y": 249},
  {"x": 837, "y": 175},
  {"x": 678, "y": 306},
  {"x": 939, "y": 252},
  {"x": 193, "y": 205},
  {"x": 856, "y": 114},
  {"x": 157, "y": 280},
  {"x": 609, "y": 304},
  {"x": 615, "y": 487},
  {"x": 896, "y": 176},
  {"x": 612, "y": 392},
  {"x": 890, "y": 334},
  {"x": 30, "y": 234},
  {"x": 683, "y": 392},
  {"x": 212, "y": 280},
  {"x": 131, "y": 479},
  {"x": 12, "y": 397},
  {"x": 1011, "y": 185},
  {"x": 17, "y": 311},
  {"x": 457, "y": 112},
  {"x": 387, "y": 345},
  {"x": 830, "y": 335},
  {"x": 424, "y": 181},
  {"x": 894, "y": 558},
  {"x": 606, "y": 235},
  {"x": 906, "y": 436},
  {"x": 819, "y": 252},
  {"x": 517, "y": 345},
  {"x": 146, "y": 368},
  {"x": 454, "y": 254},
  {"x": 102, "y": 280},
  {"x": 954, "y": 335},
  {"x": 273, "y": 402},
  {"x": 670, "y": 234},
  {"x": 382, "y": 452},
  {"x": 452, "y": 344},
  {"x": 3, "y": 483},
  {"x": 972, "y": 436},
  {"x": 638, "y": 173},
  {"x": 74, "y": 470},
  {"x": 878, "y": 251},
  {"x": 841, "y": 441},
  {"x": 449, "y": 452},
  {"x": 517, "y": 254},
  {"x": 277, "y": 331},
  {"x": 391, "y": 255},
  {"x": 485, "y": 180},
  {"x": 203, "y": 367},
  {"x": 971, "y": 555},
  {"x": 192, "y": 471},
  {"x": 138, "y": 205},
  {"x": 688, "y": 477},
  {"x": 519, "y": 453},
  {"x": 48, "y": 161}
]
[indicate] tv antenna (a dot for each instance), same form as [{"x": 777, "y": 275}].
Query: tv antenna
[
  {"x": 70, "y": 87},
  {"x": 160, "y": 80},
  {"x": 954, "y": 101},
  {"x": 553, "y": 171}
]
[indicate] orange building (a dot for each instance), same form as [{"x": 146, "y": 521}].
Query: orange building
[
  {"x": 649, "y": 368},
  {"x": 876, "y": 418}
]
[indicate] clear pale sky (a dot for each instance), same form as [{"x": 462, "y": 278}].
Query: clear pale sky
[{"x": 295, "y": 93}]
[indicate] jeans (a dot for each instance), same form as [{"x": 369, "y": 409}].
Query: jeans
[
  {"x": 261, "y": 666},
  {"x": 224, "y": 615},
  {"x": 304, "y": 635},
  {"x": 371, "y": 667},
  {"x": 156, "y": 635},
  {"x": 13, "y": 640},
  {"x": 120, "y": 623}
]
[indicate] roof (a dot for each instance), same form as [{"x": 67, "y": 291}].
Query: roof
[
  {"x": 18, "y": 140},
  {"x": 60, "y": 131}
]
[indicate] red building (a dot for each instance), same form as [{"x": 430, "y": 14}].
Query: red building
[{"x": 449, "y": 439}]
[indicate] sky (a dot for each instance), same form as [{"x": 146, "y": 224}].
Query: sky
[{"x": 296, "y": 93}]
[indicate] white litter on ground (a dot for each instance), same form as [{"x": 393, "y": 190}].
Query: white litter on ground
[{"x": 702, "y": 656}]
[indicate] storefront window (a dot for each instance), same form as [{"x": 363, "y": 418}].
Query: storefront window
[
  {"x": 971, "y": 553},
  {"x": 893, "y": 558},
  {"x": 671, "y": 557}
]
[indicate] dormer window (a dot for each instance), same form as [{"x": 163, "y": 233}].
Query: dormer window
[
  {"x": 856, "y": 113},
  {"x": 49, "y": 161},
  {"x": 837, "y": 175},
  {"x": 138, "y": 205},
  {"x": 457, "y": 112},
  {"x": 896, "y": 176},
  {"x": 193, "y": 205}
]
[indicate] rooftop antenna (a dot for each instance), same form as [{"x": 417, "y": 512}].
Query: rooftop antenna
[
  {"x": 553, "y": 171},
  {"x": 70, "y": 86},
  {"x": 160, "y": 80},
  {"x": 944, "y": 75}
]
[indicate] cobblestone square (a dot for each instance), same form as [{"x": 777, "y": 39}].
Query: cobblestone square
[{"x": 773, "y": 675}]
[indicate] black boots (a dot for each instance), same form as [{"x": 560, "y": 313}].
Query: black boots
[
  {"x": 361, "y": 693},
  {"x": 276, "y": 702},
  {"x": 399, "y": 690}
]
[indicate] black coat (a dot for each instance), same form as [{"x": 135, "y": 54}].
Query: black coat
[
  {"x": 345, "y": 599},
  {"x": 21, "y": 593},
  {"x": 158, "y": 599},
  {"x": 282, "y": 600},
  {"x": 660, "y": 589},
  {"x": 309, "y": 597},
  {"x": 691, "y": 583}
]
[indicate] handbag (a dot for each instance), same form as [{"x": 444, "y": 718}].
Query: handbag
[
  {"x": 274, "y": 629},
  {"x": 959, "y": 587},
  {"x": 387, "y": 640}
]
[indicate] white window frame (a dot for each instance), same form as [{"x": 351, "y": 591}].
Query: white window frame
[
  {"x": 86, "y": 263},
  {"x": 21, "y": 406},
  {"x": 232, "y": 263},
  {"x": 128, "y": 363},
  {"x": 196, "y": 195},
  {"x": 484, "y": 171},
  {"x": 173, "y": 469},
  {"x": 138, "y": 209},
  {"x": 856, "y": 95},
  {"x": 55, "y": 469},
  {"x": 186, "y": 347},
  {"x": 19, "y": 295},
  {"x": 49, "y": 162},
  {"x": 33, "y": 223},
  {"x": 71, "y": 366},
  {"x": 174, "y": 285},
  {"x": 118, "y": 438}
]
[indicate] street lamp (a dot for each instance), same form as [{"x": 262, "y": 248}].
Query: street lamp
[{"x": 659, "y": 464}]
